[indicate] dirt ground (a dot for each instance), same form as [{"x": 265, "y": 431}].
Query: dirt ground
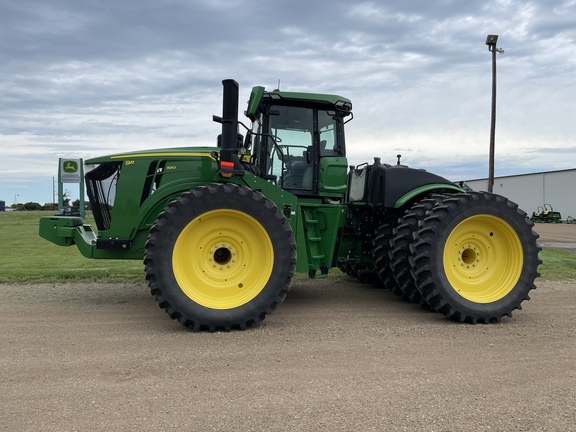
[
  {"x": 337, "y": 355},
  {"x": 556, "y": 234}
]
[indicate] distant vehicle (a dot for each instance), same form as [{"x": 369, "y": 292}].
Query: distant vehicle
[
  {"x": 69, "y": 211},
  {"x": 546, "y": 214}
]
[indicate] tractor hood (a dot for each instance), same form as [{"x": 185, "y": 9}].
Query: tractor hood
[{"x": 176, "y": 152}]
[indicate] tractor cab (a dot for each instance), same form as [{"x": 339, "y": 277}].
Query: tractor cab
[{"x": 297, "y": 142}]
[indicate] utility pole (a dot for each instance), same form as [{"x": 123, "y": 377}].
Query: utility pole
[{"x": 491, "y": 41}]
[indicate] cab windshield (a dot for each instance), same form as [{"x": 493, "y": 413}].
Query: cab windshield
[{"x": 285, "y": 147}]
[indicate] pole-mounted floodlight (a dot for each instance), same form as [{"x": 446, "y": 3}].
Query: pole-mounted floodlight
[{"x": 491, "y": 41}]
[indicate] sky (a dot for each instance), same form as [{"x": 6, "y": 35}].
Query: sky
[{"x": 85, "y": 78}]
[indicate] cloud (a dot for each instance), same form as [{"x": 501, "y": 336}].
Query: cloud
[{"x": 88, "y": 78}]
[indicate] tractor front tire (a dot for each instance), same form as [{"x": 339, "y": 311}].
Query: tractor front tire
[
  {"x": 220, "y": 257},
  {"x": 475, "y": 257}
]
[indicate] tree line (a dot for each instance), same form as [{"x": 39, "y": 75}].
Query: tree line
[{"x": 29, "y": 206}]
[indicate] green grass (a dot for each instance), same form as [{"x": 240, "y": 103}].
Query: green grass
[
  {"x": 557, "y": 264},
  {"x": 27, "y": 258}
]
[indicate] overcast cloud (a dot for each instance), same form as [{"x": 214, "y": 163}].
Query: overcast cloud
[{"x": 82, "y": 78}]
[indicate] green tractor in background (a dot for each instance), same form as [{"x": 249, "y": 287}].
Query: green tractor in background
[{"x": 222, "y": 230}]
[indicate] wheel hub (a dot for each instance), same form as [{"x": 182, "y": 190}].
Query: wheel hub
[
  {"x": 469, "y": 256},
  {"x": 222, "y": 256}
]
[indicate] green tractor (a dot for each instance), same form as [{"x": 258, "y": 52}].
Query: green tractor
[{"x": 223, "y": 229}]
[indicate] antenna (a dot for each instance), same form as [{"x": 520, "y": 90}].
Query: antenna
[{"x": 278, "y": 83}]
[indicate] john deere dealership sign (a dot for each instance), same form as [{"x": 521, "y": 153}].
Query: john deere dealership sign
[{"x": 70, "y": 170}]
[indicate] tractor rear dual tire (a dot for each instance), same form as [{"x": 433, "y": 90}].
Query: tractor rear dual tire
[
  {"x": 380, "y": 254},
  {"x": 220, "y": 257},
  {"x": 474, "y": 257},
  {"x": 402, "y": 282}
]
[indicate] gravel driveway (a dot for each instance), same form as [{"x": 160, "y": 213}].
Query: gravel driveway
[{"x": 337, "y": 355}]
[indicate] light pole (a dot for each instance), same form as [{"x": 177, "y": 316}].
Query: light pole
[{"x": 491, "y": 41}]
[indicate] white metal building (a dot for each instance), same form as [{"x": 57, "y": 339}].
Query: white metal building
[{"x": 530, "y": 191}]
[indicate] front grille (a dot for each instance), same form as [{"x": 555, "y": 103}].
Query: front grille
[{"x": 101, "y": 187}]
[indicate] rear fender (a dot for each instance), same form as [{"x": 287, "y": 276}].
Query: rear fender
[{"x": 421, "y": 191}]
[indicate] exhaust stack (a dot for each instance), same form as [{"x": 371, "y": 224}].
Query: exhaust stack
[{"x": 228, "y": 142}]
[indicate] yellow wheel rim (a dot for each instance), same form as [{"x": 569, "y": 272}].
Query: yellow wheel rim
[
  {"x": 223, "y": 259},
  {"x": 483, "y": 258}
]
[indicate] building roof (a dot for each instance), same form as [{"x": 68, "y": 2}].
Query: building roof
[{"x": 525, "y": 174}]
